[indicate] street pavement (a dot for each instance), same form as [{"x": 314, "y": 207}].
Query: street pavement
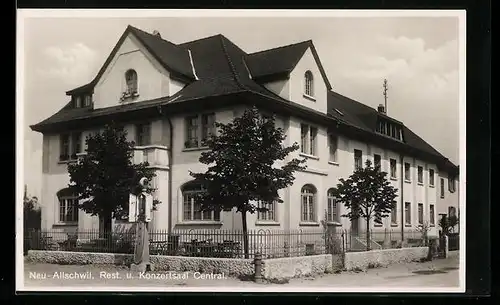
[{"x": 437, "y": 273}]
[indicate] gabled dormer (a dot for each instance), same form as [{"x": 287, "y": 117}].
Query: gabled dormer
[
  {"x": 82, "y": 100},
  {"x": 141, "y": 66},
  {"x": 388, "y": 126},
  {"x": 293, "y": 72}
]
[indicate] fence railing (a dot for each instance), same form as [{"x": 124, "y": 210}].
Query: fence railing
[
  {"x": 453, "y": 241},
  {"x": 213, "y": 243}
]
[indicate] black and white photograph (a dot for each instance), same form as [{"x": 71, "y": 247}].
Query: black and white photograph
[{"x": 240, "y": 150}]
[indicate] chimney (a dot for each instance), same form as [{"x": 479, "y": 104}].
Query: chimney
[
  {"x": 381, "y": 108},
  {"x": 156, "y": 33}
]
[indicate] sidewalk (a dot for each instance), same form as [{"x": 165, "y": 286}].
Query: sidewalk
[{"x": 46, "y": 275}]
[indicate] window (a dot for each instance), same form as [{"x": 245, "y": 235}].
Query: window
[
  {"x": 313, "y": 133},
  {"x": 143, "y": 134},
  {"x": 332, "y": 212},
  {"x": 308, "y": 82},
  {"x": 420, "y": 213},
  {"x": 131, "y": 82},
  {"x": 208, "y": 127},
  {"x": 333, "y": 147},
  {"x": 431, "y": 177},
  {"x": 87, "y": 101},
  {"x": 377, "y": 162},
  {"x": 268, "y": 215},
  {"x": 432, "y": 215},
  {"x": 358, "y": 159},
  {"x": 198, "y": 129},
  {"x": 68, "y": 206},
  {"x": 442, "y": 187},
  {"x": 407, "y": 213},
  {"x": 420, "y": 174},
  {"x": 308, "y": 139},
  {"x": 308, "y": 203},
  {"x": 76, "y": 144},
  {"x": 452, "y": 212},
  {"x": 394, "y": 214},
  {"x": 393, "y": 168},
  {"x": 70, "y": 146},
  {"x": 192, "y": 207},
  {"x": 451, "y": 184},
  {"x": 304, "y": 130},
  {"x": 389, "y": 129},
  {"x": 407, "y": 172},
  {"x": 78, "y": 101}
]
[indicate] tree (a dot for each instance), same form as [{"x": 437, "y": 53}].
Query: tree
[
  {"x": 424, "y": 229},
  {"x": 453, "y": 222},
  {"x": 448, "y": 223},
  {"x": 367, "y": 193},
  {"x": 31, "y": 211},
  {"x": 242, "y": 169},
  {"x": 104, "y": 177}
]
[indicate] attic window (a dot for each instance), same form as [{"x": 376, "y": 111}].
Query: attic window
[
  {"x": 78, "y": 101},
  {"x": 308, "y": 82},
  {"x": 131, "y": 82},
  {"x": 390, "y": 129}
]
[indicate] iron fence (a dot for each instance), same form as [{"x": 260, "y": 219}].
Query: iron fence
[
  {"x": 199, "y": 243},
  {"x": 219, "y": 243},
  {"x": 453, "y": 241}
]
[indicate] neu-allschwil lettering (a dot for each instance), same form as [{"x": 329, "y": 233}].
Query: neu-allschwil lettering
[{"x": 73, "y": 275}]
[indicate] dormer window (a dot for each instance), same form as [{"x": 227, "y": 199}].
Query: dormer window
[
  {"x": 308, "y": 83},
  {"x": 87, "y": 101},
  {"x": 131, "y": 82},
  {"x": 78, "y": 101},
  {"x": 82, "y": 100},
  {"x": 390, "y": 129}
]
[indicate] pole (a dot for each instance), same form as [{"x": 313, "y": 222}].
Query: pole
[{"x": 385, "y": 95}]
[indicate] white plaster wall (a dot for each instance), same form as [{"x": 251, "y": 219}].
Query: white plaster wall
[
  {"x": 280, "y": 87},
  {"x": 153, "y": 79}
]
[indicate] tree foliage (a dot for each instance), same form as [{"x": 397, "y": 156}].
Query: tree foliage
[
  {"x": 105, "y": 176},
  {"x": 367, "y": 194},
  {"x": 242, "y": 166},
  {"x": 448, "y": 223},
  {"x": 31, "y": 211}
]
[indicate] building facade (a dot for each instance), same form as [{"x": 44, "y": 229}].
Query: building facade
[{"x": 168, "y": 97}]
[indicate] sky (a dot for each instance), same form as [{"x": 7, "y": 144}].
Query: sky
[{"x": 419, "y": 56}]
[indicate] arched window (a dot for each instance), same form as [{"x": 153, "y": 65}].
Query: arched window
[
  {"x": 332, "y": 209},
  {"x": 191, "y": 205},
  {"x": 308, "y": 82},
  {"x": 308, "y": 206},
  {"x": 131, "y": 81},
  {"x": 67, "y": 206}
]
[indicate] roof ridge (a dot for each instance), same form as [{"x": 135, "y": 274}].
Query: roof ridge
[
  {"x": 281, "y": 47},
  {"x": 197, "y": 40},
  {"x": 230, "y": 63},
  {"x": 153, "y": 36}
]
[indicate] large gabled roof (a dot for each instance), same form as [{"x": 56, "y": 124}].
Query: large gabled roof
[
  {"x": 226, "y": 71},
  {"x": 364, "y": 117}
]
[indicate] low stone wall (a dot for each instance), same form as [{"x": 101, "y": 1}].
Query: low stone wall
[
  {"x": 228, "y": 266},
  {"x": 290, "y": 267},
  {"x": 379, "y": 258}
]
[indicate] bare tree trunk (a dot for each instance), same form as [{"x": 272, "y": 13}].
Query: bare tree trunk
[
  {"x": 245, "y": 232},
  {"x": 367, "y": 233}
]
